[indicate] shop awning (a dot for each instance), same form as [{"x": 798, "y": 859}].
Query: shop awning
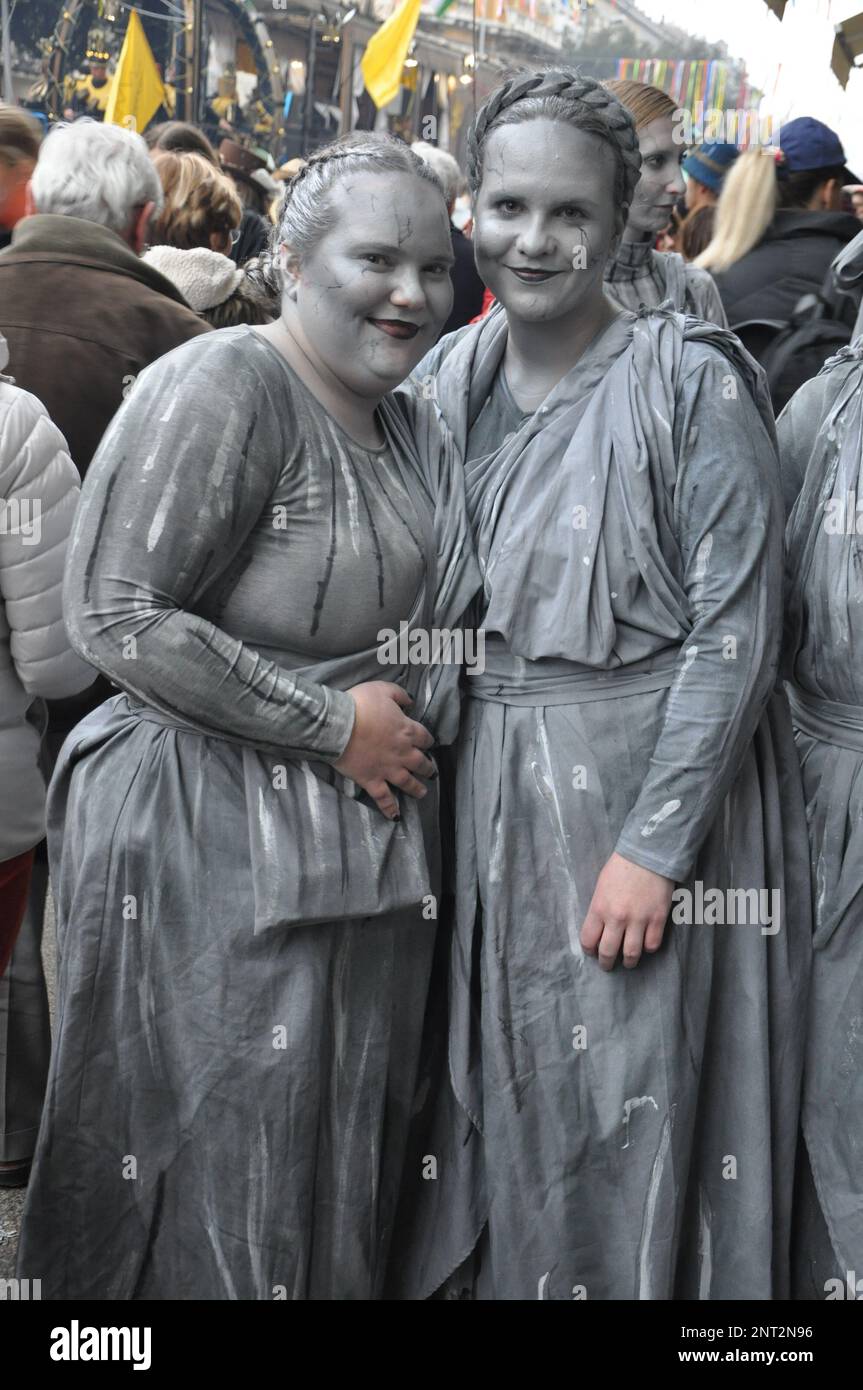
[{"x": 847, "y": 46}]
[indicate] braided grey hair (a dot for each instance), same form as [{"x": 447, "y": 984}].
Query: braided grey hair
[
  {"x": 559, "y": 94},
  {"x": 306, "y": 214}
]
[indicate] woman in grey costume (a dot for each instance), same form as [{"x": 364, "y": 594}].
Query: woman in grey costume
[
  {"x": 613, "y": 1133},
  {"x": 245, "y": 920},
  {"x": 821, "y": 437},
  {"x": 638, "y": 274}
]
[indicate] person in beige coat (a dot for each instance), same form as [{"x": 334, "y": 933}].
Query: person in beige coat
[{"x": 38, "y": 494}]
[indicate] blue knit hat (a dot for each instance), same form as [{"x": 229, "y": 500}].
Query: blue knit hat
[{"x": 709, "y": 164}]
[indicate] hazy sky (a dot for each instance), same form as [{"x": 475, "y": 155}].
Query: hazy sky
[{"x": 790, "y": 61}]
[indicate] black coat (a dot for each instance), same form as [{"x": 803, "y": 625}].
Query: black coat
[
  {"x": 468, "y": 289},
  {"x": 791, "y": 260}
]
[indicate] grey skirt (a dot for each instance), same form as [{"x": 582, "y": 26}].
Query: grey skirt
[{"x": 227, "y": 1112}]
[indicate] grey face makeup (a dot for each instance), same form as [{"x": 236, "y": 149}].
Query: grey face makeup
[
  {"x": 374, "y": 293},
  {"x": 661, "y": 182},
  {"x": 546, "y": 219}
]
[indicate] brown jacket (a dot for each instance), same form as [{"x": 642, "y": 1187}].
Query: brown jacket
[{"x": 83, "y": 315}]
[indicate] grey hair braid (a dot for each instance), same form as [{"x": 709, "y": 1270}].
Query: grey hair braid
[
  {"x": 305, "y": 213},
  {"x": 559, "y": 94}
]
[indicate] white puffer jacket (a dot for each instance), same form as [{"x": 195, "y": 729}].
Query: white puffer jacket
[{"x": 39, "y": 487}]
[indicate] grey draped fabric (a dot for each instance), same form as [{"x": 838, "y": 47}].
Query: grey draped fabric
[
  {"x": 624, "y": 1135},
  {"x": 638, "y": 276},
  {"x": 244, "y": 948},
  {"x": 825, "y": 662}
]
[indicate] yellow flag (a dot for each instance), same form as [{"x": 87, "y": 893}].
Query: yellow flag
[
  {"x": 137, "y": 90},
  {"x": 386, "y": 51}
]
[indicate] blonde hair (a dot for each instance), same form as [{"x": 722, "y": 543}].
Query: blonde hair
[
  {"x": 643, "y": 102},
  {"x": 199, "y": 200},
  {"x": 20, "y": 136},
  {"x": 746, "y": 207}
]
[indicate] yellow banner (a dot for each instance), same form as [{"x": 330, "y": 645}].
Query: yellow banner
[
  {"x": 137, "y": 90},
  {"x": 384, "y": 58}
]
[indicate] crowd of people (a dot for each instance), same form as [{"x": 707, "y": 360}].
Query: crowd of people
[{"x": 518, "y": 956}]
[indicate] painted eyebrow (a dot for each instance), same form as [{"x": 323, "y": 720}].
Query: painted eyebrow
[{"x": 380, "y": 248}]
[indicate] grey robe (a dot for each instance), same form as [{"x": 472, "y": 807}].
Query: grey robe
[
  {"x": 244, "y": 947},
  {"x": 638, "y": 276},
  {"x": 824, "y": 424},
  {"x": 624, "y": 1135}
]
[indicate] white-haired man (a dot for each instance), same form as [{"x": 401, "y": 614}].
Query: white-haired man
[
  {"x": 83, "y": 315},
  {"x": 81, "y": 312},
  {"x": 468, "y": 289}
]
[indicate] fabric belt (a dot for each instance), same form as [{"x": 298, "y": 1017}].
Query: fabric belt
[
  {"x": 512, "y": 680},
  {"x": 827, "y": 720}
]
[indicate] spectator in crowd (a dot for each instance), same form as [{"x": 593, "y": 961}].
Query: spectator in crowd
[
  {"x": 705, "y": 168},
  {"x": 637, "y": 274},
  {"x": 468, "y": 289},
  {"x": 39, "y": 488},
  {"x": 193, "y": 233},
  {"x": 179, "y": 137},
  {"x": 696, "y": 232},
  {"x": 256, "y": 191},
  {"x": 779, "y": 224},
  {"x": 83, "y": 315},
  {"x": 19, "y": 149}
]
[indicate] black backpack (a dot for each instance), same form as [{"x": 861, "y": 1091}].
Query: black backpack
[{"x": 791, "y": 351}]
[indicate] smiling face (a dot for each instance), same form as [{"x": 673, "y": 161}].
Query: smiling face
[
  {"x": 661, "y": 182},
  {"x": 545, "y": 219},
  {"x": 373, "y": 294}
]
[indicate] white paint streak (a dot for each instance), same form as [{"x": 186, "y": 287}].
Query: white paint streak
[
  {"x": 313, "y": 792},
  {"x": 353, "y": 503},
  {"x": 705, "y": 1247},
  {"x": 662, "y": 814},
  {"x": 635, "y": 1103},
  {"x": 645, "y": 1245}
]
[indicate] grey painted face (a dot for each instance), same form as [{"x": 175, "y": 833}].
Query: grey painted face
[
  {"x": 546, "y": 220},
  {"x": 374, "y": 293},
  {"x": 661, "y": 182}
]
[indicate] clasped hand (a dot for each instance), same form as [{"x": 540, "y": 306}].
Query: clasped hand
[{"x": 385, "y": 747}]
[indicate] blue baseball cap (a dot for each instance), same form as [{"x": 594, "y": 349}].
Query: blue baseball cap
[
  {"x": 709, "y": 164},
  {"x": 807, "y": 145}
]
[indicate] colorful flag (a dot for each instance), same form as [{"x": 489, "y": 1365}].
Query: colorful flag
[
  {"x": 384, "y": 58},
  {"x": 137, "y": 89}
]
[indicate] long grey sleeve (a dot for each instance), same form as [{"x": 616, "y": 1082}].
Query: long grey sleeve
[
  {"x": 729, "y": 527},
  {"x": 177, "y": 495}
]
